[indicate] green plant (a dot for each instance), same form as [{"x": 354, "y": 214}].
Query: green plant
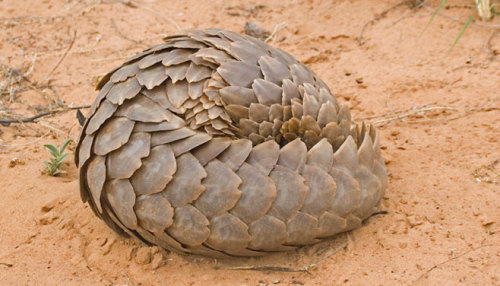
[
  {"x": 484, "y": 8},
  {"x": 53, "y": 168}
]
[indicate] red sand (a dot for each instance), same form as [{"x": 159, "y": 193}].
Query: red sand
[{"x": 443, "y": 201}]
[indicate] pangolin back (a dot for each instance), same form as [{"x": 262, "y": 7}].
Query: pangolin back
[{"x": 216, "y": 143}]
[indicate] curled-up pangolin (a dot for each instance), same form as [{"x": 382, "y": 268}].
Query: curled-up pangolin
[{"x": 216, "y": 143}]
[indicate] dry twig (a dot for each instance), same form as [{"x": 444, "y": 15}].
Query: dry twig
[
  {"x": 63, "y": 56},
  {"x": 273, "y": 268},
  {"x": 377, "y": 17},
  {"x": 134, "y": 4},
  {"x": 276, "y": 29},
  {"x": 397, "y": 115},
  {"x": 414, "y": 7},
  {"x": 8, "y": 121},
  {"x": 487, "y": 45},
  {"x": 121, "y": 34},
  {"x": 304, "y": 269},
  {"x": 489, "y": 26},
  {"x": 447, "y": 261},
  {"x": 7, "y": 264}
]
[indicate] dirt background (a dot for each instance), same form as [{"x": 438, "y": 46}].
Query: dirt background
[{"x": 438, "y": 112}]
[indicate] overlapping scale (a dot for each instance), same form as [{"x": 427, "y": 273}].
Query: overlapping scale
[
  {"x": 112, "y": 135},
  {"x": 156, "y": 171},
  {"x": 154, "y": 212},
  {"x": 221, "y": 190},
  {"x": 258, "y": 192},
  {"x": 122, "y": 163},
  {"x": 217, "y": 144}
]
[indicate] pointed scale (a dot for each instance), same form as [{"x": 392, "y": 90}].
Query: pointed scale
[
  {"x": 96, "y": 176},
  {"x": 321, "y": 192},
  {"x": 228, "y": 233},
  {"x": 114, "y": 134},
  {"x": 293, "y": 155},
  {"x": 257, "y": 194},
  {"x": 152, "y": 76},
  {"x": 190, "y": 226},
  {"x": 122, "y": 163},
  {"x": 143, "y": 109},
  {"x": 221, "y": 192},
  {"x": 156, "y": 171},
  {"x": 124, "y": 90},
  {"x": 104, "y": 112},
  {"x": 121, "y": 197},
  {"x": 154, "y": 212},
  {"x": 208, "y": 151},
  {"x": 267, "y": 92},
  {"x": 264, "y": 156},
  {"x": 239, "y": 73},
  {"x": 274, "y": 70},
  {"x": 302, "y": 229},
  {"x": 291, "y": 192},
  {"x": 268, "y": 233},
  {"x": 176, "y": 72},
  {"x": 186, "y": 185},
  {"x": 236, "y": 153},
  {"x": 370, "y": 192}
]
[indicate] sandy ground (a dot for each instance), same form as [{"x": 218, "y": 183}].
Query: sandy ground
[{"x": 438, "y": 112}]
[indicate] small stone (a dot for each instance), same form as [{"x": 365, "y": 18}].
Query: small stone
[
  {"x": 157, "y": 260},
  {"x": 130, "y": 253},
  {"x": 155, "y": 249},
  {"x": 143, "y": 256},
  {"x": 101, "y": 241},
  {"x": 256, "y": 31},
  {"x": 485, "y": 220},
  {"x": 106, "y": 247},
  {"x": 414, "y": 220},
  {"x": 14, "y": 162},
  {"x": 47, "y": 207},
  {"x": 93, "y": 259},
  {"x": 276, "y": 281},
  {"x": 48, "y": 218},
  {"x": 395, "y": 133}
]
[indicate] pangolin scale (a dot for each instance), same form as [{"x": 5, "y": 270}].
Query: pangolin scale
[{"x": 218, "y": 144}]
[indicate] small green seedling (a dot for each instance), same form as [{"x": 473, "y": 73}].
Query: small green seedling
[{"x": 53, "y": 167}]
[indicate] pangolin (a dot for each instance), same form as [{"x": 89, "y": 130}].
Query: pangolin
[{"x": 215, "y": 143}]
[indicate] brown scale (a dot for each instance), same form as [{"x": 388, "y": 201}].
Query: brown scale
[{"x": 218, "y": 144}]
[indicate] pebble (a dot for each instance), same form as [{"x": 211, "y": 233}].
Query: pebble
[
  {"x": 48, "y": 218},
  {"x": 157, "y": 260},
  {"x": 415, "y": 220},
  {"x": 47, "y": 207},
  {"x": 143, "y": 256},
  {"x": 485, "y": 220},
  {"x": 14, "y": 162}
]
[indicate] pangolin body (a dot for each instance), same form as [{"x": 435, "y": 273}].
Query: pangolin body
[{"x": 216, "y": 143}]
